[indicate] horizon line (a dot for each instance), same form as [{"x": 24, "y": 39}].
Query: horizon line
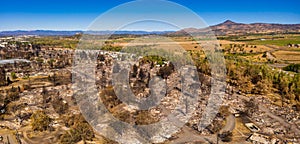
[{"x": 82, "y": 30}]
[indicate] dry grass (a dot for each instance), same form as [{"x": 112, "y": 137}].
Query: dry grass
[
  {"x": 291, "y": 56},
  {"x": 259, "y": 48},
  {"x": 256, "y": 58}
]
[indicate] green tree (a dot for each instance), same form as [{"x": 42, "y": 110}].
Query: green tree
[{"x": 166, "y": 71}]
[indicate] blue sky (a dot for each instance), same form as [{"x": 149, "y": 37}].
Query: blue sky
[{"x": 78, "y": 15}]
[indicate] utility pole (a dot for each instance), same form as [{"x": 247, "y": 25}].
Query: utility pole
[
  {"x": 8, "y": 142},
  {"x": 218, "y": 138}
]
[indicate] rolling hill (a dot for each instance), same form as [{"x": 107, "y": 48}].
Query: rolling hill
[{"x": 232, "y": 28}]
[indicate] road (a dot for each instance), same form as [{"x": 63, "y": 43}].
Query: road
[
  {"x": 44, "y": 137},
  {"x": 188, "y": 135},
  {"x": 230, "y": 124}
]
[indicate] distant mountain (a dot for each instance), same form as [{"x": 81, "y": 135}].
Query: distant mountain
[
  {"x": 70, "y": 33},
  {"x": 226, "y": 28},
  {"x": 232, "y": 28},
  {"x": 229, "y": 22},
  {"x": 39, "y": 33}
]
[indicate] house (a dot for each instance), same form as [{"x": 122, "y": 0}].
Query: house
[
  {"x": 3, "y": 44},
  {"x": 235, "y": 112},
  {"x": 276, "y": 141},
  {"x": 293, "y": 45},
  {"x": 257, "y": 138},
  {"x": 252, "y": 127}
]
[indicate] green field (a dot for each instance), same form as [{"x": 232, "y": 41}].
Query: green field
[{"x": 278, "y": 42}]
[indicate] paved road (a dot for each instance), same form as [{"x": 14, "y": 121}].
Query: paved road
[
  {"x": 230, "y": 124},
  {"x": 188, "y": 135}
]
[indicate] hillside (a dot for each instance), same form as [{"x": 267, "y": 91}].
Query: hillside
[{"x": 232, "y": 28}]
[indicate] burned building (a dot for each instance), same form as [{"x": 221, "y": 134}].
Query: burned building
[{"x": 2, "y": 76}]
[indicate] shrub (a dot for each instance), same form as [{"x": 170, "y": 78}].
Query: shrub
[
  {"x": 40, "y": 121},
  {"x": 13, "y": 75},
  {"x": 80, "y": 130},
  {"x": 293, "y": 68}
]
